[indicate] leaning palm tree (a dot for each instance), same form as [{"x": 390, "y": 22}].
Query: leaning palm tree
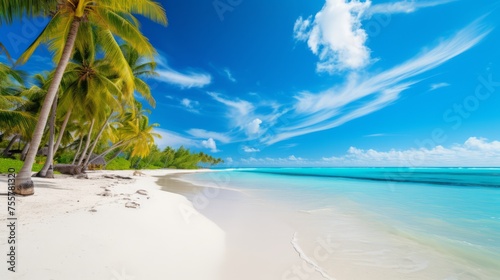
[
  {"x": 143, "y": 140},
  {"x": 134, "y": 133},
  {"x": 92, "y": 87},
  {"x": 109, "y": 17},
  {"x": 141, "y": 67}
]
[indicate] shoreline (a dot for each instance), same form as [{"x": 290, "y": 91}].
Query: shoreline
[
  {"x": 258, "y": 235},
  {"x": 343, "y": 241},
  {"x": 81, "y": 229}
]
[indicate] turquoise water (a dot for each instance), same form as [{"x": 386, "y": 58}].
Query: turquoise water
[{"x": 456, "y": 209}]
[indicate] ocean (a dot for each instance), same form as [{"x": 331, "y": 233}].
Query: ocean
[{"x": 444, "y": 222}]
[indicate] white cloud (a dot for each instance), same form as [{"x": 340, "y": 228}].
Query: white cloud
[
  {"x": 188, "y": 79},
  {"x": 293, "y": 158},
  {"x": 362, "y": 95},
  {"x": 229, "y": 160},
  {"x": 183, "y": 80},
  {"x": 229, "y": 75},
  {"x": 288, "y": 146},
  {"x": 438, "y": 86},
  {"x": 172, "y": 139},
  {"x": 279, "y": 162},
  {"x": 404, "y": 6},
  {"x": 201, "y": 133},
  {"x": 190, "y": 105},
  {"x": 253, "y": 127},
  {"x": 473, "y": 152},
  {"x": 247, "y": 149},
  {"x": 376, "y": 135},
  {"x": 239, "y": 107},
  {"x": 243, "y": 119},
  {"x": 186, "y": 103},
  {"x": 210, "y": 144},
  {"x": 336, "y": 36}
]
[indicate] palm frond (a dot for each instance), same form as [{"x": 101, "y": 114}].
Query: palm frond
[
  {"x": 51, "y": 30},
  {"x": 14, "y": 9},
  {"x": 124, "y": 29},
  {"x": 147, "y": 8},
  {"x": 143, "y": 89}
]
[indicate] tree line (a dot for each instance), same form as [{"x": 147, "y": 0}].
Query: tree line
[{"x": 87, "y": 107}]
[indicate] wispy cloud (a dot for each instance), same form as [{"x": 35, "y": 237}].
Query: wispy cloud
[
  {"x": 201, "y": 133},
  {"x": 244, "y": 121},
  {"x": 288, "y": 146},
  {"x": 186, "y": 79},
  {"x": 438, "y": 86},
  {"x": 404, "y": 6},
  {"x": 376, "y": 135},
  {"x": 239, "y": 112},
  {"x": 247, "y": 149},
  {"x": 361, "y": 95},
  {"x": 183, "y": 80},
  {"x": 173, "y": 139},
  {"x": 229, "y": 75},
  {"x": 473, "y": 152}
]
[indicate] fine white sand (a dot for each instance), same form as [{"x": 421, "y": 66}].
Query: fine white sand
[
  {"x": 68, "y": 230},
  {"x": 269, "y": 238}
]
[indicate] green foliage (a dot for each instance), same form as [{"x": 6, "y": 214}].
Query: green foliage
[
  {"x": 6, "y": 163},
  {"x": 118, "y": 164},
  {"x": 181, "y": 158},
  {"x": 65, "y": 158}
]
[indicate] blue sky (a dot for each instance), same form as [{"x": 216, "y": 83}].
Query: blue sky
[{"x": 325, "y": 83}]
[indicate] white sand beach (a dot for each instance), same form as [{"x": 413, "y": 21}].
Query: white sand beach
[
  {"x": 81, "y": 229},
  {"x": 69, "y": 230}
]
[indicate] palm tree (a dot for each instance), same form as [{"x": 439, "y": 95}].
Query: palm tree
[
  {"x": 93, "y": 85},
  {"x": 141, "y": 67},
  {"x": 36, "y": 93},
  {"x": 143, "y": 136},
  {"x": 106, "y": 17},
  {"x": 134, "y": 134}
]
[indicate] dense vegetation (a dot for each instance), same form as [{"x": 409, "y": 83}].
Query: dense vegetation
[
  {"x": 181, "y": 158},
  {"x": 87, "y": 107}
]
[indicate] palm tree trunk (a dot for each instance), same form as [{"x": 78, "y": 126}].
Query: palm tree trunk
[
  {"x": 63, "y": 128},
  {"x": 25, "y": 151},
  {"x": 110, "y": 149},
  {"x": 78, "y": 151},
  {"x": 117, "y": 153},
  {"x": 89, "y": 138},
  {"x": 24, "y": 185},
  {"x": 47, "y": 170},
  {"x": 96, "y": 140},
  {"x": 9, "y": 146}
]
